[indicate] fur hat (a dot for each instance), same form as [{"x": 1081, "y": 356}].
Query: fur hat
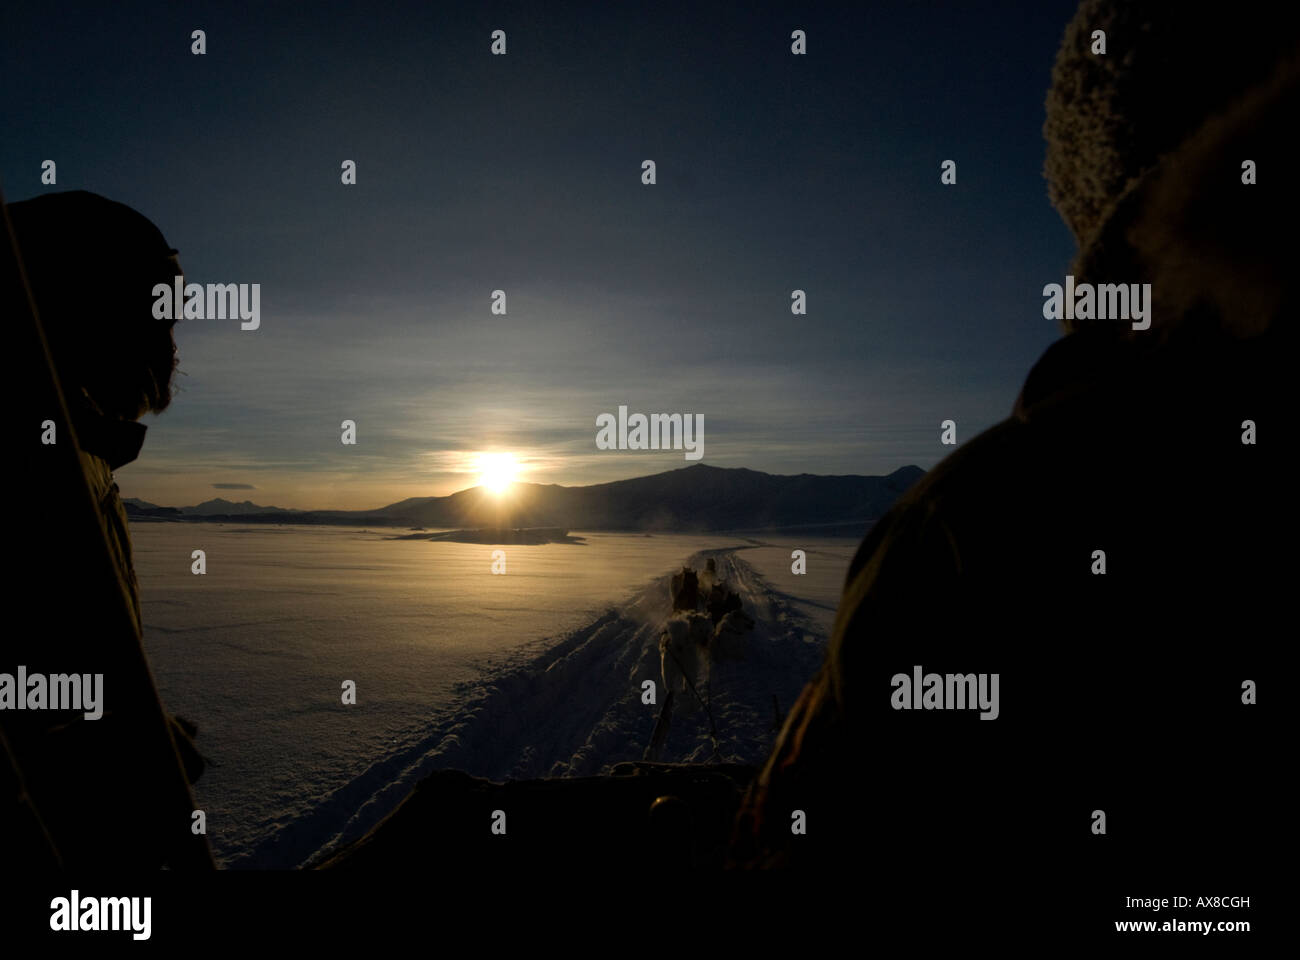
[
  {"x": 1145, "y": 145},
  {"x": 1169, "y": 66}
]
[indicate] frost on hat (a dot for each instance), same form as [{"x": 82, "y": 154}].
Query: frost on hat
[{"x": 1168, "y": 67}]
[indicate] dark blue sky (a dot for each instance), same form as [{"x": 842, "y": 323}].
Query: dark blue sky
[{"x": 523, "y": 172}]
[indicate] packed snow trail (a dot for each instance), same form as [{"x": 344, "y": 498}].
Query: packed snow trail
[{"x": 575, "y": 709}]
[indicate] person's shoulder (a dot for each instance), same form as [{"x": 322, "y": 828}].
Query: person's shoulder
[
  {"x": 921, "y": 524},
  {"x": 1070, "y": 366},
  {"x": 999, "y": 475},
  {"x": 99, "y": 475}
]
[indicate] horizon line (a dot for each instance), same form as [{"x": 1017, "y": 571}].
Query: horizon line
[{"x": 580, "y": 486}]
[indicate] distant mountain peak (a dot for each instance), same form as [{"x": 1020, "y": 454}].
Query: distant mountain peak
[{"x": 219, "y": 506}]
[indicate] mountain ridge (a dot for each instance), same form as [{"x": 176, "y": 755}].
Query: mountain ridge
[{"x": 698, "y": 498}]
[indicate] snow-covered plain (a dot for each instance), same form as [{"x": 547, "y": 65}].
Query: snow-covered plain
[{"x": 536, "y": 672}]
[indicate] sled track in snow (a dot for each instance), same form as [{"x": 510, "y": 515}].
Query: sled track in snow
[{"x": 572, "y": 707}]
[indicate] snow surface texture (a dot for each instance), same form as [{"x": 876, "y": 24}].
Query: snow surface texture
[
  {"x": 534, "y": 673},
  {"x": 576, "y": 710}
]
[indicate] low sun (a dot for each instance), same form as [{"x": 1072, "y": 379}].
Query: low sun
[{"x": 497, "y": 471}]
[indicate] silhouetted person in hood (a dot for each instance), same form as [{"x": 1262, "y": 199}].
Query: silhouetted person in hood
[
  {"x": 92, "y": 265},
  {"x": 110, "y": 791},
  {"x": 1124, "y": 692}
]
